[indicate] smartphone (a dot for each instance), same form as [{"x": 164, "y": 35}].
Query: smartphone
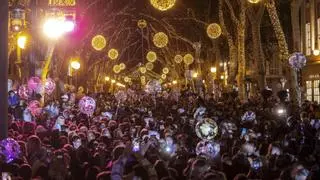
[
  {"x": 256, "y": 164},
  {"x": 243, "y": 132}
]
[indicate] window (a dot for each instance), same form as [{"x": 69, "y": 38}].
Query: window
[
  {"x": 309, "y": 90},
  {"x": 308, "y": 39},
  {"x": 316, "y": 91},
  {"x": 318, "y": 28}
]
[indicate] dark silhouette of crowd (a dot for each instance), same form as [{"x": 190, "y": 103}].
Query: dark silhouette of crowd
[{"x": 122, "y": 140}]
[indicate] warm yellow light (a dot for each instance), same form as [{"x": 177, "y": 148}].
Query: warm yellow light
[
  {"x": 75, "y": 65},
  {"x": 222, "y": 77},
  {"x": 163, "y": 76},
  {"x": 160, "y": 40},
  {"x": 126, "y": 79},
  {"x": 316, "y": 52},
  {"x": 113, "y": 54},
  {"x": 122, "y": 66},
  {"x": 221, "y": 64},
  {"x": 149, "y": 66},
  {"x": 178, "y": 59},
  {"x": 151, "y": 56},
  {"x": 143, "y": 70},
  {"x": 53, "y": 28},
  {"x": 254, "y": 1},
  {"x": 142, "y": 78},
  {"x": 163, "y": 5},
  {"x": 107, "y": 78},
  {"x": 165, "y": 70},
  {"x": 195, "y": 75},
  {"x": 113, "y": 81},
  {"x": 160, "y": 81},
  {"x": 174, "y": 82},
  {"x": 142, "y": 23},
  {"x": 116, "y": 69},
  {"x": 213, "y": 69},
  {"x": 22, "y": 41},
  {"x": 188, "y": 59},
  {"x": 120, "y": 85},
  {"x": 214, "y": 31},
  {"x": 203, "y": 81},
  {"x": 98, "y": 42}
]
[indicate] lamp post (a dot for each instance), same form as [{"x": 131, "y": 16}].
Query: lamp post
[
  {"x": 4, "y": 10},
  {"x": 74, "y": 67}
]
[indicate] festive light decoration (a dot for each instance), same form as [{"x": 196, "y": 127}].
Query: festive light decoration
[
  {"x": 49, "y": 86},
  {"x": 163, "y": 5},
  {"x": 116, "y": 69},
  {"x": 35, "y": 108},
  {"x": 113, "y": 54},
  {"x": 209, "y": 149},
  {"x": 249, "y": 116},
  {"x": 165, "y": 70},
  {"x": 22, "y": 41},
  {"x": 126, "y": 79},
  {"x": 9, "y": 149},
  {"x": 34, "y": 84},
  {"x": 163, "y": 76},
  {"x": 98, "y": 42},
  {"x": 178, "y": 59},
  {"x": 87, "y": 105},
  {"x": 143, "y": 70},
  {"x": 160, "y": 40},
  {"x": 122, "y": 66},
  {"x": 254, "y": 1},
  {"x": 149, "y": 66},
  {"x": 188, "y": 59},
  {"x": 297, "y": 61},
  {"x": 121, "y": 96},
  {"x": 153, "y": 87},
  {"x": 151, "y": 56},
  {"x": 75, "y": 64},
  {"x": 160, "y": 81},
  {"x": 142, "y": 23},
  {"x": 206, "y": 129},
  {"x": 143, "y": 78},
  {"x": 214, "y": 31},
  {"x": 24, "y": 92}
]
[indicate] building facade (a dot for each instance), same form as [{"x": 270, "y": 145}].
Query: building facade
[{"x": 310, "y": 45}]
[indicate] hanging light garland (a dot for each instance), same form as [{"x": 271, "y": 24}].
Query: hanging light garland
[
  {"x": 214, "y": 31},
  {"x": 151, "y": 56},
  {"x": 116, "y": 69},
  {"x": 122, "y": 66},
  {"x": 143, "y": 70},
  {"x": 163, "y": 76},
  {"x": 160, "y": 40},
  {"x": 178, "y": 59},
  {"x": 188, "y": 59},
  {"x": 149, "y": 66},
  {"x": 165, "y": 70},
  {"x": 163, "y": 5},
  {"x": 126, "y": 79},
  {"x": 142, "y": 23},
  {"x": 98, "y": 42},
  {"x": 113, "y": 54}
]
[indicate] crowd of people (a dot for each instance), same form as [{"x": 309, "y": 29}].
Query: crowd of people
[{"x": 155, "y": 136}]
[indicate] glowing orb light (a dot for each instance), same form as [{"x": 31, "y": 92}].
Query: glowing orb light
[
  {"x": 121, "y": 96},
  {"x": 151, "y": 56},
  {"x": 254, "y": 1},
  {"x": 87, "y": 105},
  {"x": 142, "y": 23},
  {"x": 208, "y": 149},
  {"x": 143, "y": 70},
  {"x": 49, "y": 86},
  {"x": 297, "y": 60},
  {"x": 22, "y": 41},
  {"x": 34, "y": 84},
  {"x": 153, "y": 86},
  {"x": 160, "y": 40},
  {"x": 34, "y": 107},
  {"x": 163, "y": 5},
  {"x": 142, "y": 78},
  {"x": 113, "y": 54},
  {"x": 188, "y": 59},
  {"x": 126, "y": 79},
  {"x": 214, "y": 31},
  {"x": 163, "y": 76},
  {"x": 206, "y": 129},
  {"x": 149, "y": 66},
  {"x": 165, "y": 70},
  {"x": 10, "y": 149},
  {"x": 98, "y": 42},
  {"x": 116, "y": 69},
  {"x": 178, "y": 59},
  {"x": 53, "y": 28},
  {"x": 160, "y": 81},
  {"x": 122, "y": 66}
]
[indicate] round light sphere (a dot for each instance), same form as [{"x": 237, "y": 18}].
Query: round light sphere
[
  {"x": 98, "y": 42},
  {"x": 9, "y": 149},
  {"x": 87, "y": 105},
  {"x": 142, "y": 78},
  {"x": 121, "y": 96},
  {"x": 143, "y": 70},
  {"x": 122, "y": 66},
  {"x": 254, "y": 1},
  {"x": 178, "y": 59},
  {"x": 297, "y": 60},
  {"x": 160, "y": 81},
  {"x": 208, "y": 149},
  {"x": 163, "y": 5},
  {"x": 206, "y": 129},
  {"x": 126, "y": 79},
  {"x": 163, "y": 76},
  {"x": 153, "y": 86},
  {"x": 49, "y": 86},
  {"x": 149, "y": 66},
  {"x": 160, "y": 40},
  {"x": 151, "y": 56},
  {"x": 188, "y": 59},
  {"x": 142, "y": 23},
  {"x": 113, "y": 54},
  {"x": 214, "y": 31},
  {"x": 165, "y": 70},
  {"x": 116, "y": 69}
]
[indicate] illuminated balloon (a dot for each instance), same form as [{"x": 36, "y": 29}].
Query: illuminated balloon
[
  {"x": 188, "y": 59},
  {"x": 178, "y": 59},
  {"x": 87, "y": 105},
  {"x": 121, "y": 96},
  {"x": 208, "y": 149},
  {"x": 98, "y": 42},
  {"x": 206, "y": 129},
  {"x": 49, "y": 86},
  {"x": 297, "y": 60},
  {"x": 149, "y": 66},
  {"x": 153, "y": 87},
  {"x": 10, "y": 149},
  {"x": 160, "y": 40},
  {"x": 35, "y": 108},
  {"x": 214, "y": 31},
  {"x": 34, "y": 84},
  {"x": 24, "y": 92},
  {"x": 249, "y": 116},
  {"x": 163, "y": 5},
  {"x": 151, "y": 56}
]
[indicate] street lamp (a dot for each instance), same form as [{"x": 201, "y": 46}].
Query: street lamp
[
  {"x": 54, "y": 28},
  {"x": 17, "y": 18},
  {"x": 213, "y": 69},
  {"x": 254, "y": 1},
  {"x": 107, "y": 78},
  {"x": 316, "y": 52},
  {"x": 21, "y": 41},
  {"x": 75, "y": 65}
]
